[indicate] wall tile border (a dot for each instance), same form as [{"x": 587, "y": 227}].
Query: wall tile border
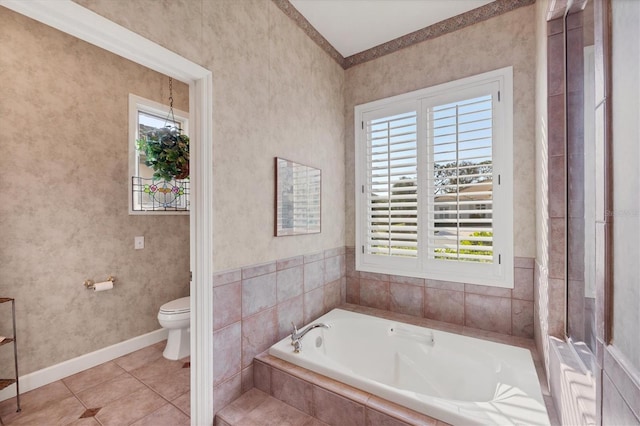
[
  {"x": 455, "y": 23},
  {"x": 503, "y": 310}
]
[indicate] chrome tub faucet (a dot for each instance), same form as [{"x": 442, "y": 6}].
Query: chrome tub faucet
[{"x": 296, "y": 336}]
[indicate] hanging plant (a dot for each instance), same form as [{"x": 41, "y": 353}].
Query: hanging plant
[{"x": 167, "y": 152}]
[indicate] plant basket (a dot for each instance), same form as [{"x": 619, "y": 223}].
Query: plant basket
[{"x": 167, "y": 152}]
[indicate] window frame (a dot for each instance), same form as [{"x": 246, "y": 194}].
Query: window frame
[
  {"x": 139, "y": 104},
  {"x": 500, "y": 272}
]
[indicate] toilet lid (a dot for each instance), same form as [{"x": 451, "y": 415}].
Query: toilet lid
[{"x": 178, "y": 306}]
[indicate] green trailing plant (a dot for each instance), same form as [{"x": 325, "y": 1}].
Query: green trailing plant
[{"x": 167, "y": 152}]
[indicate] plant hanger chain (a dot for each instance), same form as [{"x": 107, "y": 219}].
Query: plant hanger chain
[{"x": 171, "y": 117}]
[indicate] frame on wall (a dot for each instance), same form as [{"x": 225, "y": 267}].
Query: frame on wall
[{"x": 297, "y": 198}]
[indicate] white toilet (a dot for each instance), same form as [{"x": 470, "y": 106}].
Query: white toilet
[{"x": 175, "y": 316}]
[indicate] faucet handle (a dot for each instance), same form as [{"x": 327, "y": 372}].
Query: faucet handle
[{"x": 294, "y": 333}]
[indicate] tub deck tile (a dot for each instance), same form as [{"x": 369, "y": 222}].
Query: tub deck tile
[
  {"x": 238, "y": 409},
  {"x": 399, "y": 413},
  {"x": 332, "y": 385},
  {"x": 335, "y": 409},
  {"x": 292, "y": 390},
  {"x": 354, "y": 403},
  {"x": 257, "y": 408}
]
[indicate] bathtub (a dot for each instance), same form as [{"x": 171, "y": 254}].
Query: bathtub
[{"x": 457, "y": 379}]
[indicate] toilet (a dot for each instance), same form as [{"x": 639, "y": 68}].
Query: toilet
[{"x": 175, "y": 316}]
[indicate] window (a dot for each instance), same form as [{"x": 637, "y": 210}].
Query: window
[
  {"x": 434, "y": 182},
  {"x": 148, "y": 195}
]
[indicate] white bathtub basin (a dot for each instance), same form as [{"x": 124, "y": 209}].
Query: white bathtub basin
[{"x": 454, "y": 378}]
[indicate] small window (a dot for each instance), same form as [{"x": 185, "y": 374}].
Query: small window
[
  {"x": 433, "y": 174},
  {"x": 149, "y": 195}
]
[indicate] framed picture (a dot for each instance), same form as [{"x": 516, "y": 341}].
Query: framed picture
[{"x": 298, "y": 189}]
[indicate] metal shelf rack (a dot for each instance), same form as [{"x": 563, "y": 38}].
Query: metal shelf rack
[{"x": 8, "y": 382}]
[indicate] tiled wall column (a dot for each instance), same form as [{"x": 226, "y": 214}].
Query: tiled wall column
[
  {"x": 254, "y": 306},
  {"x": 556, "y": 178},
  {"x": 503, "y": 310}
]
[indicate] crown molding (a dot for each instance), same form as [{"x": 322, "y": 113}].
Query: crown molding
[{"x": 455, "y": 23}]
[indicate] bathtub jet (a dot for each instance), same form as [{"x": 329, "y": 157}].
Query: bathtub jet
[{"x": 458, "y": 379}]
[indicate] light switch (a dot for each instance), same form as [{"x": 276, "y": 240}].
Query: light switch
[{"x": 138, "y": 243}]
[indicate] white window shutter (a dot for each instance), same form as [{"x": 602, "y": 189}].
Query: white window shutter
[
  {"x": 460, "y": 182},
  {"x": 391, "y": 187}
]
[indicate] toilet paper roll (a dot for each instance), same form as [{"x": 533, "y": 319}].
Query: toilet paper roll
[{"x": 107, "y": 285}]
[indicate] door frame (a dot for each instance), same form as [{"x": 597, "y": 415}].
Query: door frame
[{"x": 84, "y": 24}]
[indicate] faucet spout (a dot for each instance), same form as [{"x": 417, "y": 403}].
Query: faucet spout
[{"x": 296, "y": 336}]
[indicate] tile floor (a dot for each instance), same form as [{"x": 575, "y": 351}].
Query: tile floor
[
  {"x": 257, "y": 408},
  {"x": 141, "y": 388}
]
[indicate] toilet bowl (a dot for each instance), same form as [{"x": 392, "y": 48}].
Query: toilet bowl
[{"x": 175, "y": 316}]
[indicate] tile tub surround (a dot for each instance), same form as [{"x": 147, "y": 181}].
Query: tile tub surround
[
  {"x": 253, "y": 308},
  {"x": 336, "y": 403},
  {"x": 501, "y": 310}
]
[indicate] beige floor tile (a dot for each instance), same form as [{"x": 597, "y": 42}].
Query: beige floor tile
[
  {"x": 239, "y": 408},
  {"x": 315, "y": 422},
  {"x": 183, "y": 402},
  {"x": 93, "y": 376},
  {"x": 127, "y": 390},
  {"x": 87, "y": 421},
  {"x": 172, "y": 384},
  {"x": 169, "y": 378},
  {"x": 61, "y": 412},
  {"x": 141, "y": 357},
  {"x": 158, "y": 367},
  {"x": 130, "y": 408},
  {"x": 273, "y": 412},
  {"x": 167, "y": 415},
  {"x": 106, "y": 392},
  {"x": 34, "y": 400}
]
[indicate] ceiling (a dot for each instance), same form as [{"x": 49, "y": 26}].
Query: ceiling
[{"x": 353, "y": 26}]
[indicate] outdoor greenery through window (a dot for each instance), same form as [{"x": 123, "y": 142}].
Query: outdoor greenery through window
[
  {"x": 461, "y": 180},
  {"x": 431, "y": 167}
]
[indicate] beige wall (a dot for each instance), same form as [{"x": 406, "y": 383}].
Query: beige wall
[
  {"x": 507, "y": 40},
  {"x": 64, "y": 215},
  {"x": 625, "y": 64},
  {"x": 276, "y": 93}
]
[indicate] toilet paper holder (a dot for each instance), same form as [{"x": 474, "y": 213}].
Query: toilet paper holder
[{"x": 88, "y": 284}]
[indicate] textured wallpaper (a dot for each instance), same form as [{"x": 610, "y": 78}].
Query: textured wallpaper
[
  {"x": 276, "y": 93},
  {"x": 506, "y": 40},
  {"x": 64, "y": 211}
]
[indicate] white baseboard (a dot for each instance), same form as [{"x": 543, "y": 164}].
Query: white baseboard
[{"x": 75, "y": 365}]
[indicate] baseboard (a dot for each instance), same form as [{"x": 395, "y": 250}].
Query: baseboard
[{"x": 75, "y": 365}]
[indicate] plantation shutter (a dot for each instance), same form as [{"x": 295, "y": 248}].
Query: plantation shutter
[
  {"x": 460, "y": 180},
  {"x": 434, "y": 182},
  {"x": 391, "y": 185}
]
